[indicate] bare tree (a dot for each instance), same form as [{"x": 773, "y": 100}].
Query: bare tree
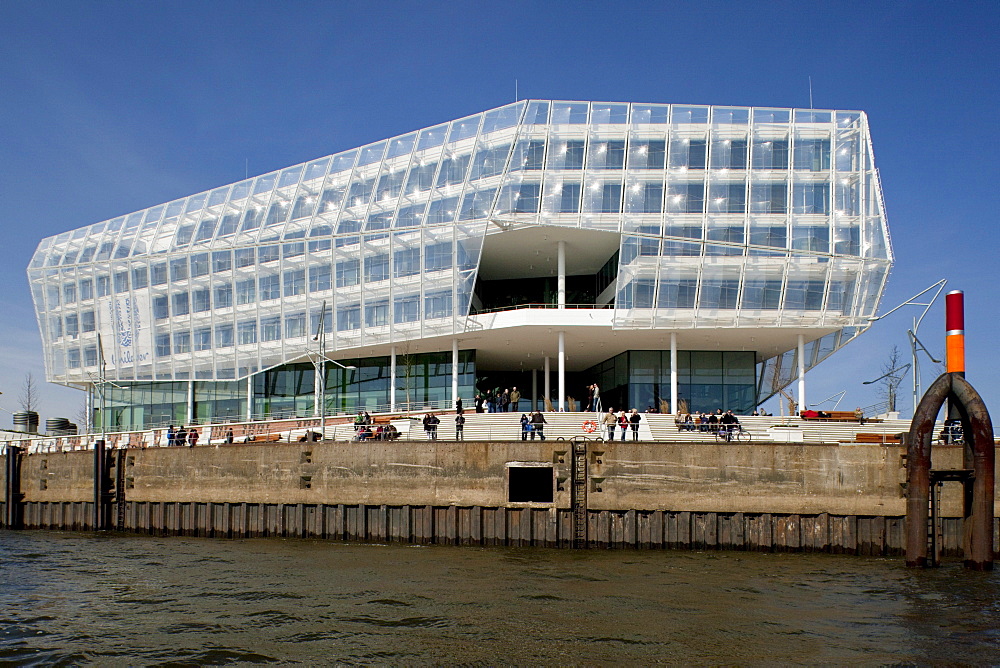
[
  {"x": 83, "y": 418},
  {"x": 893, "y": 374},
  {"x": 29, "y": 393}
]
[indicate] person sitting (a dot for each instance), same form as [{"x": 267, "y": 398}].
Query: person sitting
[{"x": 390, "y": 433}]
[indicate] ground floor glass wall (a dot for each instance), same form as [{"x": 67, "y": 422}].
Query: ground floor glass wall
[
  {"x": 422, "y": 381},
  {"x": 706, "y": 380}
]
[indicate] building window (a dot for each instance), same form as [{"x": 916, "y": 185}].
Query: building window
[
  {"x": 406, "y": 309},
  {"x": 688, "y": 153},
  {"x": 203, "y": 339},
  {"x": 87, "y": 289},
  {"x": 140, "y": 278},
  {"x": 567, "y": 154},
  {"x": 269, "y": 288},
  {"x": 181, "y": 305},
  {"x": 267, "y": 254},
  {"x": 729, "y": 154},
  {"x": 246, "y": 332},
  {"x": 201, "y": 300},
  {"x": 438, "y": 305},
  {"x": 87, "y": 323},
  {"x": 222, "y": 261},
  {"x": 199, "y": 265},
  {"x": 160, "y": 308},
  {"x": 727, "y": 198},
  {"x": 121, "y": 281},
  {"x": 686, "y": 198},
  {"x": 158, "y": 273},
  {"x": 90, "y": 356},
  {"x": 645, "y": 198},
  {"x": 406, "y": 262},
  {"x": 348, "y": 318},
  {"x": 72, "y": 325},
  {"x": 811, "y": 198},
  {"x": 182, "y": 342},
  {"x": 770, "y": 154},
  {"x": 295, "y": 282},
  {"x": 410, "y": 216},
  {"x": 437, "y": 257},
  {"x": 489, "y": 161},
  {"x": 73, "y": 358},
  {"x": 320, "y": 278},
  {"x": 453, "y": 170},
  {"x": 295, "y": 325},
  {"x": 178, "y": 269},
  {"x": 224, "y": 336},
  {"x": 377, "y": 314},
  {"x": 812, "y": 154},
  {"x": 69, "y": 293},
  {"x": 477, "y": 204},
  {"x": 224, "y": 295},
  {"x": 104, "y": 286},
  {"x": 528, "y": 155},
  {"x": 442, "y": 211},
  {"x": 421, "y": 178},
  {"x": 376, "y": 268},
  {"x": 647, "y": 154},
  {"x": 244, "y": 257},
  {"x": 348, "y": 273},
  {"x": 270, "y": 328},
  {"x": 603, "y": 197},
  {"x": 607, "y": 154},
  {"x": 762, "y": 294},
  {"x": 769, "y": 198},
  {"x": 677, "y": 293},
  {"x": 162, "y": 345},
  {"x": 246, "y": 291}
]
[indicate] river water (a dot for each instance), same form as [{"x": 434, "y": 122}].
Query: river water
[{"x": 71, "y": 599}]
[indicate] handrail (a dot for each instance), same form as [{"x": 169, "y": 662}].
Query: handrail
[{"x": 516, "y": 307}]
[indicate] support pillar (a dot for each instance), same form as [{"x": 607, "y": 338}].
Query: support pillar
[
  {"x": 534, "y": 389},
  {"x": 548, "y": 389},
  {"x": 392, "y": 379},
  {"x": 13, "y": 500},
  {"x": 561, "y": 270},
  {"x": 562, "y": 371},
  {"x": 190, "y": 403},
  {"x": 674, "y": 408},
  {"x": 249, "y": 415},
  {"x": 317, "y": 387},
  {"x": 802, "y": 373},
  {"x": 454, "y": 371}
]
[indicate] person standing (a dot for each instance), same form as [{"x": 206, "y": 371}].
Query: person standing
[
  {"x": 192, "y": 437},
  {"x": 460, "y": 426},
  {"x": 538, "y": 425},
  {"x": 590, "y": 399},
  {"x": 597, "y": 398},
  {"x": 458, "y": 405},
  {"x": 634, "y": 420},
  {"x": 623, "y": 423},
  {"x": 515, "y": 397},
  {"x": 180, "y": 438},
  {"x": 170, "y": 435},
  {"x": 504, "y": 401},
  {"x": 610, "y": 421},
  {"x": 525, "y": 426},
  {"x": 229, "y": 435}
]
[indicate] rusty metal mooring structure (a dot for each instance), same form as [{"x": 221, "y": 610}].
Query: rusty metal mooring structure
[{"x": 978, "y": 458}]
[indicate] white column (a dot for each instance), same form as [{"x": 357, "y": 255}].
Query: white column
[
  {"x": 88, "y": 426},
  {"x": 317, "y": 388},
  {"x": 802, "y": 373},
  {"x": 454, "y": 371},
  {"x": 249, "y": 397},
  {"x": 548, "y": 389},
  {"x": 562, "y": 371},
  {"x": 190, "y": 403},
  {"x": 534, "y": 389},
  {"x": 673, "y": 373},
  {"x": 392, "y": 379},
  {"x": 561, "y": 270}
]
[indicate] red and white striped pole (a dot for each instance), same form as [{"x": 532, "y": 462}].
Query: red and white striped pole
[{"x": 954, "y": 325}]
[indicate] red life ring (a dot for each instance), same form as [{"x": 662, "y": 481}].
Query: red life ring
[{"x": 589, "y": 426}]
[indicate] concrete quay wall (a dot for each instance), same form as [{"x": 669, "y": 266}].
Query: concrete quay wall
[{"x": 845, "y": 498}]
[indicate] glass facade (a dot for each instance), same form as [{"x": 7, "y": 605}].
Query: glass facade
[
  {"x": 706, "y": 380},
  {"x": 725, "y": 217}
]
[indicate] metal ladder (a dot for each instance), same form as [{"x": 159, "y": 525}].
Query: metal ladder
[{"x": 579, "y": 494}]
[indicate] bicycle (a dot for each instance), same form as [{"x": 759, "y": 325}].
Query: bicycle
[{"x": 730, "y": 433}]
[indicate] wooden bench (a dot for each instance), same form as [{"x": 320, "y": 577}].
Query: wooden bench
[
  {"x": 883, "y": 439},
  {"x": 839, "y": 416},
  {"x": 264, "y": 438}
]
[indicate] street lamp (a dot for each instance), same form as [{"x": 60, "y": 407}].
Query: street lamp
[
  {"x": 319, "y": 364},
  {"x": 915, "y": 343}
]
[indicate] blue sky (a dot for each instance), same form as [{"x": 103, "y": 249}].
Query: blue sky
[{"x": 111, "y": 107}]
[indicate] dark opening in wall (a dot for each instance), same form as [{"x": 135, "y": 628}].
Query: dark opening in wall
[{"x": 530, "y": 484}]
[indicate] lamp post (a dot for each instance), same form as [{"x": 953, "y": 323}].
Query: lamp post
[
  {"x": 915, "y": 343},
  {"x": 319, "y": 364}
]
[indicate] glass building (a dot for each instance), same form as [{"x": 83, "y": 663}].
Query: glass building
[{"x": 677, "y": 255}]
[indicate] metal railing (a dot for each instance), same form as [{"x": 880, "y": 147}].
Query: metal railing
[{"x": 517, "y": 307}]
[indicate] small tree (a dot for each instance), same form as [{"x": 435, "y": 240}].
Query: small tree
[
  {"x": 28, "y": 399},
  {"x": 893, "y": 375}
]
